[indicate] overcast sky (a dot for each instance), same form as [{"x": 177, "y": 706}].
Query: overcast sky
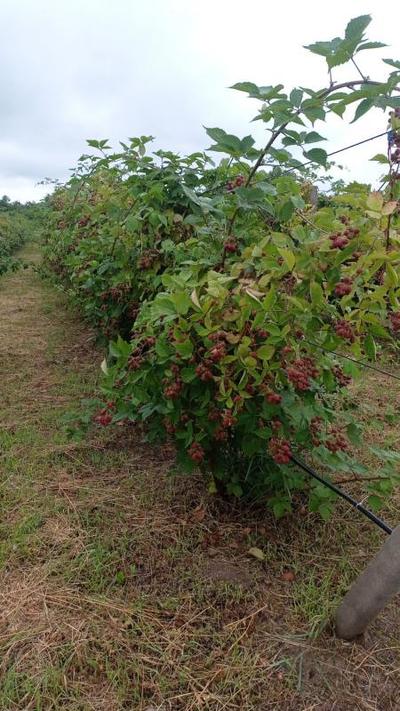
[{"x": 78, "y": 69}]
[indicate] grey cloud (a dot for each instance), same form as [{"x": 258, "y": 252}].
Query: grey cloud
[{"x": 75, "y": 70}]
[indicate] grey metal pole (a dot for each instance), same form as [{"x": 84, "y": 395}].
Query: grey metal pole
[{"x": 372, "y": 590}]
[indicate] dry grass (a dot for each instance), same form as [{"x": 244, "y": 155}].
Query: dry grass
[{"x": 123, "y": 588}]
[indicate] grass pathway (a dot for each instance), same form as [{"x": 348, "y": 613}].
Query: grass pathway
[{"x": 124, "y": 589}]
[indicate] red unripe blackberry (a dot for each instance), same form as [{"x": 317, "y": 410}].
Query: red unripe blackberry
[
  {"x": 279, "y": 450},
  {"x": 395, "y": 321},
  {"x": 344, "y": 330},
  {"x": 274, "y": 398},
  {"x": 230, "y": 245},
  {"x": 196, "y": 452},
  {"x": 344, "y": 287}
]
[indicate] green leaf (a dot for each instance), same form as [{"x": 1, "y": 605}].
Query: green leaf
[
  {"x": 380, "y": 158},
  {"x": 265, "y": 352},
  {"x": 217, "y": 134},
  {"x": 296, "y": 96},
  {"x": 317, "y": 294},
  {"x": 288, "y": 257},
  {"x": 317, "y": 155},
  {"x": 182, "y": 302},
  {"x": 393, "y": 63},
  {"x": 371, "y": 45},
  {"x": 314, "y": 113},
  {"x": 385, "y": 454},
  {"x": 184, "y": 349},
  {"x": 286, "y": 211},
  {"x": 313, "y": 137},
  {"x": 248, "y": 87},
  {"x": 362, "y": 108},
  {"x": 370, "y": 347},
  {"x": 355, "y": 28}
]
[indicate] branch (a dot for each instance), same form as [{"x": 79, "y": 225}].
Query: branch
[{"x": 275, "y": 134}]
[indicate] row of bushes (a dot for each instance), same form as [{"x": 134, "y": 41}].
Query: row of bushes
[
  {"x": 18, "y": 223},
  {"x": 227, "y": 294}
]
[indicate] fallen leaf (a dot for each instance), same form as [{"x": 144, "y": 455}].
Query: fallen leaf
[{"x": 256, "y": 553}]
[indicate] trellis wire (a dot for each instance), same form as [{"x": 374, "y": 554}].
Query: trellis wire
[{"x": 356, "y": 504}]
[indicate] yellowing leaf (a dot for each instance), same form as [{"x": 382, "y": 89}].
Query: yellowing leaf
[
  {"x": 288, "y": 257},
  {"x": 389, "y": 207},
  {"x": 195, "y": 299},
  {"x": 103, "y": 366},
  {"x": 375, "y": 201},
  {"x": 256, "y": 553}
]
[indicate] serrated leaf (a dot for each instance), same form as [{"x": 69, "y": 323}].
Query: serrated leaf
[
  {"x": 356, "y": 26},
  {"x": 371, "y": 45},
  {"x": 393, "y": 63}
]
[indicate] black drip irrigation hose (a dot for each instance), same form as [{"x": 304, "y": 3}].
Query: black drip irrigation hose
[{"x": 309, "y": 470}]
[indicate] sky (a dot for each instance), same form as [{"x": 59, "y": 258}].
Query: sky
[{"x": 78, "y": 69}]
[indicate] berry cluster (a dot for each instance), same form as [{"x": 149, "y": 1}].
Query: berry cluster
[
  {"x": 237, "y": 183},
  {"x": 138, "y": 354},
  {"x": 228, "y": 420},
  {"x": 217, "y": 336},
  {"x": 344, "y": 330},
  {"x": 395, "y": 321},
  {"x": 276, "y": 424},
  {"x": 170, "y": 428},
  {"x": 221, "y": 434},
  {"x": 214, "y": 415},
  {"x": 301, "y": 371},
  {"x": 288, "y": 284},
  {"x": 274, "y": 398},
  {"x": 135, "y": 362},
  {"x": 173, "y": 388},
  {"x": 315, "y": 430},
  {"x": 337, "y": 441},
  {"x": 204, "y": 372},
  {"x": 231, "y": 245},
  {"x": 344, "y": 286},
  {"x": 147, "y": 259},
  {"x": 104, "y": 417},
  {"x": 84, "y": 221},
  {"x": 116, "y": 293},
  {"x": 217, "y": 352},
  {"x": 196, "y": 452},
  {"x": 279, "y": 450},
  {"x": 340, "y": 240},
  {"x": 341, "y": 378}
]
